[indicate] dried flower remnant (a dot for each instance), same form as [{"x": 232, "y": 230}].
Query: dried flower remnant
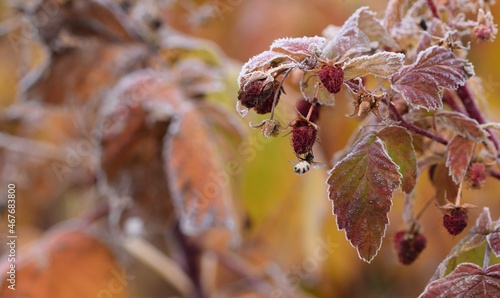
[{"x": 269, "y": 127}]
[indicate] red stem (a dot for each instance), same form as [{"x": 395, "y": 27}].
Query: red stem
[
  {"x": 415, "y": 128},
  {"x": 474, "y": 112},
  {"x": 433, "y": 8}
]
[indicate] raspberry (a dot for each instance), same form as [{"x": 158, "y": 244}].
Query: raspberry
[
  {"x": 303, "y": 136},
  {"x": 303, "y": 107},
  {"x": 332, "y": 78},
  {"x": 408, "y": 246},
  {"x": 476, "y": 175},
  {"x": 259, "y": 96},
  {"x": 456, "y": 221}
]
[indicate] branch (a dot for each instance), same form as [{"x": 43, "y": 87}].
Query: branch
[
  {"x": 415, "y": 128},
  {"x": 474, "y": 112},
  {"x": 433, "y": 8}
]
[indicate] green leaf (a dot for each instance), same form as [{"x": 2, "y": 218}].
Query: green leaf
[
  {"x": 361, "y": 186},
  {"x": 399, "y": 145}
]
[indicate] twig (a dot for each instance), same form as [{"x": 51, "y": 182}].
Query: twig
[
  {"x": 474, "y": 112},
  {"x": 30, "y": 147},
  {"x": 415, "y": 128},
  {"x": 433, "y": 8}
]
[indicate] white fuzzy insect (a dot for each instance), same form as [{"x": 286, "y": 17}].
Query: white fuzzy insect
[{"x": 304, "y": 164}]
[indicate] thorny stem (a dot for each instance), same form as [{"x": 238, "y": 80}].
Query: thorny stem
[
  {"x": 278, "y": 93},
  {"x": 474, "y": 112},
  {"x": 415, "y": 128},
  {"x": 433, "y": 8}
]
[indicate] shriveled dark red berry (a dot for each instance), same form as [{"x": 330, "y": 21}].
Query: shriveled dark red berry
[
  {"x": 476, "y": 175},
  {"x": 266, "y": 106},
  {"x": 303, "y": 136},
  {"x": 303, "y": 107},
  {"x": 332, "y": 78},
  {"x": 456, "y": 221},
  {"x": 259, "y": 96},
  {"x": 254, "y": 93},
  {"x": 408, "y": 246}
]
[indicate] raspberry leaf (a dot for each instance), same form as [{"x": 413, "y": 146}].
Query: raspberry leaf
[
  {"x": 374, "y": 29},
  {"x": 469, "y": 247},
  {"x": 361, "y": 186},
  {"x": 459, "y": 155},
  {"x": 493, "y": 238},
  {"x": 381, "y": 64},
  {"x": 399, "y": 145},
  {"x": 349, "y": 40},
  {"x": 463, "y": 125},
  {"x": 298, "y": 46},
  {"x": 421, "y": 82},
  {"x": 467, "y": 280},
  {"x": 261, "y": 60}
]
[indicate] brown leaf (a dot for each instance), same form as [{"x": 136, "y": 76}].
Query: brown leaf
[
  {"x": 65, "y": 263},
  {"x": 198, "y": 176},
  {"x": 460, "y": 151},
  {"x": 446, "y": 189},
  {"x": 79, "y": 76}
]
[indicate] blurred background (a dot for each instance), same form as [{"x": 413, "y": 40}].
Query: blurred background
[{"x": 75, "y": 239}]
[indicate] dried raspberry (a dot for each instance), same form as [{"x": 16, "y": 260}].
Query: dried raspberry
[
  {"x": 267, "y": 105},
  {"x": 303, "y": 107},
  {"x": 456, "y": 221},
  {"x": 303, "y": 136},
  {"x": 259, "y": 96},
  {"x": 408, "y": 246},
  {"x": 476, "y": 175},
  {"x": 254, "y": 93},
  {"x": 484, "y": 33},
  {"x": 332, "y": 78}
]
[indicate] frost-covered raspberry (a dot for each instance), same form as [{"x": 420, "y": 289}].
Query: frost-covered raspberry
[
  {"x": 408, "y": 246},
  {"x": 332, "y": 78}
]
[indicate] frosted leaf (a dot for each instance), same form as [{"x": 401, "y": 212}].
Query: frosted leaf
[
  {"x": 467, "y": 280},
  {"x": 381, "y": 64},
  {"x": 361, "y": 186},
  {"x": 297, "y": 46},
  {"x": 374, "y": 29},
  {"x": 459, "y": 155},
  {"x": 463, "y": 125},
  {"x": 259, "y": 61},
  {"x": 434, "y": 69},
  {"x": 349, "y": 40}
]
